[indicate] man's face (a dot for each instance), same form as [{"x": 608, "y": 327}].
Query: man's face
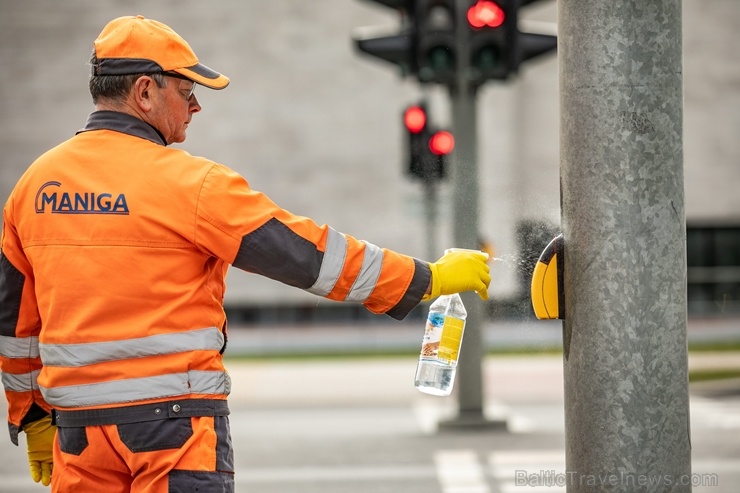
[{"x": 174, "y": 108}]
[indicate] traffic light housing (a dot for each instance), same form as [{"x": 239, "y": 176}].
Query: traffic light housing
[
  {"x": 437, "y": 46},
  {"x": 436, "y": 42},
  {"x": 428, "y": 147},
  {"x": 496, "y": 45},
  {"x": 415, "y": 123},
  {"x": 492, "y": 36}
]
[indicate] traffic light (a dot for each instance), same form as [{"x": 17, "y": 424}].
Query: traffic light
[
  {"x": 497, "y": 48},
  {"x": 436, "y": 42},
  {"x": 436, "y": 46},
  {"x": 492, "y": 40},
  {"x": 397, "y": 47},
  {"x": 428, "y": 148},
  {"x": 415, "y": 123}
]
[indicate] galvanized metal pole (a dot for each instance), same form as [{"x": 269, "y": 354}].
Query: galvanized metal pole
[{"x": 625, "y": 362}]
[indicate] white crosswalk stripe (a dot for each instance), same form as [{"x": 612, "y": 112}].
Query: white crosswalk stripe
[{"x": 715, "y": 413}]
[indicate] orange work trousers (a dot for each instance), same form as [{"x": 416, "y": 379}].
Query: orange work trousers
[{"x": 165, "y": 456}]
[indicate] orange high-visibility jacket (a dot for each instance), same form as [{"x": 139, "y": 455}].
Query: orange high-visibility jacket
[{"x": 114, "y": 253}]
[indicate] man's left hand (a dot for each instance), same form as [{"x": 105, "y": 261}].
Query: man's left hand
[{"x": 40, "y": 444}]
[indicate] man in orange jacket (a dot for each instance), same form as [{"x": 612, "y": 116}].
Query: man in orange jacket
[{"x": 114, "y": 253}]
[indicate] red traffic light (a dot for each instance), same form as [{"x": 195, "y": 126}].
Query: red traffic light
[
  {"x": 485, "y": 13},
  {"x": 441, "y": 143},
  {"x": 415, "y": 119}
]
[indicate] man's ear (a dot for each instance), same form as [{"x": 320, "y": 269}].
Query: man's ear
[{"x": 143, "y": 92}]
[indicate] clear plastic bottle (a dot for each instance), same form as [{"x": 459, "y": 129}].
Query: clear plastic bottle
[{"x": 435, "y": 373}]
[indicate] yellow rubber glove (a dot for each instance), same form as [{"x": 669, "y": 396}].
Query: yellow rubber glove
[
  {"x": 40, "y": 444},
  {"x": 458, "y": 271}
]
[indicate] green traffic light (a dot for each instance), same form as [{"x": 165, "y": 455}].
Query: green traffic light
[
  {"x": 487, "y": 59},
  {"x": 439, "y": 61}
]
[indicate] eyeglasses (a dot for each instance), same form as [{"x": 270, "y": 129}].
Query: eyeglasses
[{"x": 175, "y": 75}]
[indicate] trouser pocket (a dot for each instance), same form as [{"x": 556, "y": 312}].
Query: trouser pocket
[
  {"x": 162, "y": 434},
  {"x": 72, "y": 440}
]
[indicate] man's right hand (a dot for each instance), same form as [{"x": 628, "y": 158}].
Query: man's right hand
[
  {"x": 458, "y": 271},
  {"x": 40, "y": 445}
]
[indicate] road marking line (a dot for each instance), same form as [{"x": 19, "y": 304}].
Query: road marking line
[
  {"x": 714, "y": 413},
  {"x": 530, "y": 471}
]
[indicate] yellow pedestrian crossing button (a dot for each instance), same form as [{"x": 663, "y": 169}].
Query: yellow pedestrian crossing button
[{"x": 547, "y": 282}]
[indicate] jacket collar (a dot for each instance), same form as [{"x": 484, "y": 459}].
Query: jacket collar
[{"x": 122, "y": 122}]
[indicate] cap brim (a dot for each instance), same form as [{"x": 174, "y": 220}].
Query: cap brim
[{"x": 204, "y": 76}]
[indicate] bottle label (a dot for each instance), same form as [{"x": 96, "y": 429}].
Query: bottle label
[
  {"x": 449, "y": 345},
  {"x": 442, "y": 337}
]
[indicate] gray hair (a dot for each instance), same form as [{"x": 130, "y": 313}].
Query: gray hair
[{"x": 115, "y": 88}]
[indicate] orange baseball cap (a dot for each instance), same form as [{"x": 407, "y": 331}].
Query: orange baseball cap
[{"x": 136, "y": 45}]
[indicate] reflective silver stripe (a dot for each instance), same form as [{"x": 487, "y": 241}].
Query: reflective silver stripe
[
  {"x": 137, "y": 389},
  {"x": 75, "y": 355},
  {"x": 19, "y": 347},
  {"x": 21, "y": 382},
  {"x": 366, "y": 280},
  {"x": 209, "y": 382},
  {"x": 331, "y": 266}
]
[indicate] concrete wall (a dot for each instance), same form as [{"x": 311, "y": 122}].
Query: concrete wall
[{"x": 318, "y": 127}]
